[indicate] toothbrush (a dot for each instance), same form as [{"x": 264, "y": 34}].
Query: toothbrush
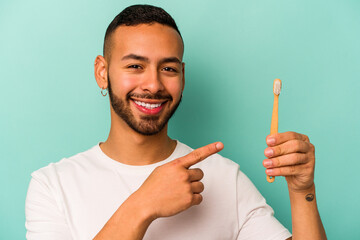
[{"x": 274, "y": 119}]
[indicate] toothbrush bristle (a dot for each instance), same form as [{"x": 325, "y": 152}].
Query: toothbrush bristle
[{"x": 277, "y": 86}]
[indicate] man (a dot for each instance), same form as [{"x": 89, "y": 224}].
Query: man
[{"x": 139, "y": 183}]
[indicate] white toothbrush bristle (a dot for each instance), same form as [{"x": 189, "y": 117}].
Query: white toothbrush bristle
[{"x": 277, "y": 86}]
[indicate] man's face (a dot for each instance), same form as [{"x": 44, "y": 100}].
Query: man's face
[{"x": 146, "y": 75}]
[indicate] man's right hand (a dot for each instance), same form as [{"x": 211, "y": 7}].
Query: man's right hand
[
  {"x": 169, "y": 190},
  {"x": 173, "y": 187}
]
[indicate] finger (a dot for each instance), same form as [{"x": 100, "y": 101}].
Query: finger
[
  {"x": 286, "y": 160},
  {"x": 200, "y": 154},
  {"x": 195, "y": 174},
  {"x": 278, "y": 138},
  {"x": 197, "y": 187},
  {"x": 292, "y": 170},
  {"x": 197, "y": 199},
  {"x": 292, "y": 146}
]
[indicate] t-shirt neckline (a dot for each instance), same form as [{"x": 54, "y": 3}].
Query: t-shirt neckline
[{"x": 135, "y": 168}]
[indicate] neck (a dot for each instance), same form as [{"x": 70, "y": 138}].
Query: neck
[{"x": 129, "y": 147}]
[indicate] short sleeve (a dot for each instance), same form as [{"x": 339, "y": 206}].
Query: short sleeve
[
  {"x": 44, "y": 219},
  {"x": 256, "y": 218}
]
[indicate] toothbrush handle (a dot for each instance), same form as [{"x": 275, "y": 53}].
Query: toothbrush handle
[
  {"x": 275, "y": 118},
  {"x": 274, "y": 126}
]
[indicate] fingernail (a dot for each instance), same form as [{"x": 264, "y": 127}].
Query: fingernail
[
  {"x": 269, "y": 171},
  {"x": 270, "y": 140},
  {"x": 269, "y": 152},
  {"x": 267, "y": 163},
  {"x": 219, "y": 146}
]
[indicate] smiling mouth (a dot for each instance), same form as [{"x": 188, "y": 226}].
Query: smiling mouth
[{"x": 148, "y": 105}]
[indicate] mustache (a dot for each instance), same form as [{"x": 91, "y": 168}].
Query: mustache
[{"x": 149, "y": 96}]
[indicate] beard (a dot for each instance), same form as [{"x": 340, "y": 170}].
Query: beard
[{"x": 146, "y": 125}]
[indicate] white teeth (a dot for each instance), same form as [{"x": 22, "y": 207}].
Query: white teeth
[{"x": 148, "y": 105}]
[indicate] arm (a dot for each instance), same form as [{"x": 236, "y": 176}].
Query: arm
[
  {"x": 305, "y": 216},
  {"x": 44, "y": 217},
  {"x": 169, "y": 190},
  {"x": 128, "y": 222},
  {"x": 292, "y": 155}
]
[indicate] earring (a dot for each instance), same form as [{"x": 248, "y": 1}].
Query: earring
[{"x": 104, "y": 93}]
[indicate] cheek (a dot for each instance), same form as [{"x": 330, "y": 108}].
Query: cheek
[
  {"x": 175, "y": 88},
  {"x": 123, "y": 83}
]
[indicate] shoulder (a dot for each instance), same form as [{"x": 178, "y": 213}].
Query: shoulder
[{"x": 75, "y": 163}]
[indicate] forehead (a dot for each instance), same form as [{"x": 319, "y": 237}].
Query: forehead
[{"x": 150, "y": 40}]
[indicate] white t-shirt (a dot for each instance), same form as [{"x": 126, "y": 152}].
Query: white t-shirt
[{"x": 75, "y": 197}]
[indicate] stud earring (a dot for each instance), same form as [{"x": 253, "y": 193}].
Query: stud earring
[{"x": 104, "y": 93}]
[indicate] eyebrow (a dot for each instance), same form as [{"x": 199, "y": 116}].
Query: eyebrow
[
  {"x": 170, "y": 59},
  {"x": 135, "y": 57},
  {"x": 145, "y": 59}
]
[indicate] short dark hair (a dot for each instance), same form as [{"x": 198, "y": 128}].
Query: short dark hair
[{"x": 138, "y": 14}]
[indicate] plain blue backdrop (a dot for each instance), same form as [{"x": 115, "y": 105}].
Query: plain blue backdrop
[{"x": 51, "y": 106}]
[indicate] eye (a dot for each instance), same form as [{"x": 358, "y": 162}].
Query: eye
[
  {"x": 169, "y": 69},
  {"x": 135, "y": 66}
]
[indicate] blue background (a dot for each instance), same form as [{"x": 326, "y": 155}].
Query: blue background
[{"x": 51, "y": 106}]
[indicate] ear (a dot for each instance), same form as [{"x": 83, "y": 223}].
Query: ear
[
  {"x": 183, "y": 77},
  {"x": 100, "y": 71}
]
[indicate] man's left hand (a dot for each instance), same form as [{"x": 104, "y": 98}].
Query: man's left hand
[{"x": 291, "y": 155}]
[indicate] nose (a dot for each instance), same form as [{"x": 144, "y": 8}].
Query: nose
[{"x": 151, "y": 81}]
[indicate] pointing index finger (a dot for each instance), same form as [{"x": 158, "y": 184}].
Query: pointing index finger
[{"x": 200, "y": 154}]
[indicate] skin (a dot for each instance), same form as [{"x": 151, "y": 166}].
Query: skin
[
  {"x": 156, "y": 43},
  {"x": 291, "y": 155},
  {"x": 173, "y": 187}
]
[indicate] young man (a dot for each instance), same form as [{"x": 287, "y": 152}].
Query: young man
[{"x": 139, "y": 183}]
